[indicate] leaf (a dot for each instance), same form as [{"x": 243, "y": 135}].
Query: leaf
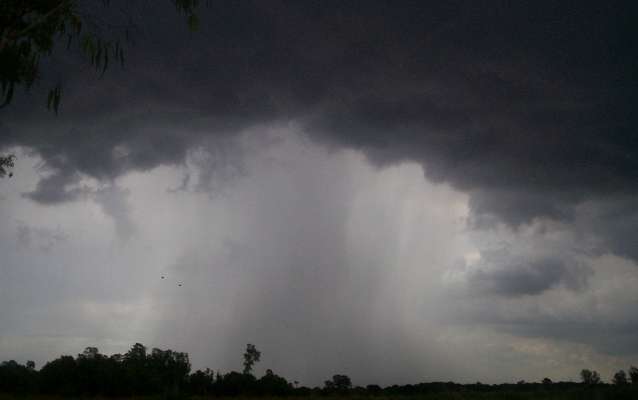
[
  {"x": 193, "y": 22},
  {"x": 86, "y": 43},
  {"x": 106, "y": 62},
  {"x": 98, "y": 54},
  {"x": 56, "y": 99},
  {"x": 76, "y": 22},
  {"x": 53, "y": 100},
  {"x": 50, "y": 99},
  {"x": 8, "y": 95}
]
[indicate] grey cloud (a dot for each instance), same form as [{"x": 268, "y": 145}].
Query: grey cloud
[
  {"x": 566, "y": 299},
  {"x": 113, "y": 202},
  {"x": 517, "y": 207},
  {"x": 294, "y": 274},
  {"x": 526, "y": 108},
  {"x": 615, "y": 338},
  {"x": 41, "y": 238},
  {"x": 531, "y": 278},
  {"x": 289, "y": 260},
  {"x": 59, "y": 187},
  {"x": 614, "y": 221},
  {"x": 183, "y": 186}
]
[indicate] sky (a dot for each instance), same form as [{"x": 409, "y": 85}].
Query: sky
[{"x": 396, "y": 191}]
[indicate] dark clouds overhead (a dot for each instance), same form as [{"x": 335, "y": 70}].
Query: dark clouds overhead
[
  {"x": 527, "y": 105},
  {"x": 507, "y": 276}
]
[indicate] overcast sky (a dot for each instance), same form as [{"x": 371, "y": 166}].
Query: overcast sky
[{"x": 396, "y": 191}]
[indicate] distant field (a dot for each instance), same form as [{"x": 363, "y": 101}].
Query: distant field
[{"x": 592, "y": 394}]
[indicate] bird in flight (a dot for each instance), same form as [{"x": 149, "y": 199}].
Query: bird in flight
[{"x": 179, "y": 284}]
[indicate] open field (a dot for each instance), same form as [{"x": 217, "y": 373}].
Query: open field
[{"x": 600, "y": 393}]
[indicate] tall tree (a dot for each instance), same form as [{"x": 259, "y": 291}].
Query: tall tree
[
  {"x": 620, "y": 378},
  {"x": 338, "y": 383},
  {"x": 251, "y": 356},
  {"x": 590, "y": 377}
]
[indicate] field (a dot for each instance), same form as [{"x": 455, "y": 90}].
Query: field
[{"x": 599, "y": 393}]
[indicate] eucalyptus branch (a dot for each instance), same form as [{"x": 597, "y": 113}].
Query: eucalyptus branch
[{"x": 44, "y": 17}]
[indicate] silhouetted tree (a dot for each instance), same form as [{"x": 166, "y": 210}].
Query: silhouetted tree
[
  {"x": 589, "y": 377},
  {"x": 135, "y": 365},
  {"x": 234, "y": 383},
  {"x": 251, "y": 356},
  {"x": 201, "y": 382},
  {"x": 273, "y": 385},
  {"x": 90, "y": 353},
  {"x": 6, "y": 163},
  {"x": 620, "y": 378},
  {"x": 374, "y": 389},
  {"x": 30, "y": 28},
  {"x": 169, "y": 370},
  {"x": 93, "y": 371},
  {"x": 17, "y": 378},
  {"x": 339, "y": 383},
  {"x": 165, "y": 374},
  {"x": 59, "y": 376}
]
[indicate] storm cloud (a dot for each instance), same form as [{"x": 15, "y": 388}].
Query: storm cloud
[
  {"x": 346, "y": 182},
  {"x": 510, "y": 103},
  {"x": 531, "y": 279}
]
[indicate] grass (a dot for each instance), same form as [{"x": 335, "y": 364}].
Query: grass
[{"x": 600, "y": 393}]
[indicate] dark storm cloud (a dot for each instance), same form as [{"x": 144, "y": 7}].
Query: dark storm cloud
[
  {"x": 615, "y": 220},
  {"x": 526, "y": 106},
  {"x": 511, "y": 278},
  {"x": 101, "y": 149},
  {"x": 616, "y": 338},
  {"x": 56, "y": 188}
]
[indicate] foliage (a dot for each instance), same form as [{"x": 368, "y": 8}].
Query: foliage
[
  {"x": 620, "y": 378},
  {"x": 272, "y": 384},
  {"x": 30, "y": 29},
  {"x": 339, "y": 383},
  {"x": 6, "y": 163},
  {"x": 92, "y": 373},
  {"x": 16, "y": 378},
  {"x": 589, "y": 377},
  {"x": 251, "y": 356},
  {"x": 166, "y": 374}
]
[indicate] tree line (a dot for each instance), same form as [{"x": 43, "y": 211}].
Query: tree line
[
  {"x": 168, "y": 373},
  {"x": 137, "y": 372}
]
